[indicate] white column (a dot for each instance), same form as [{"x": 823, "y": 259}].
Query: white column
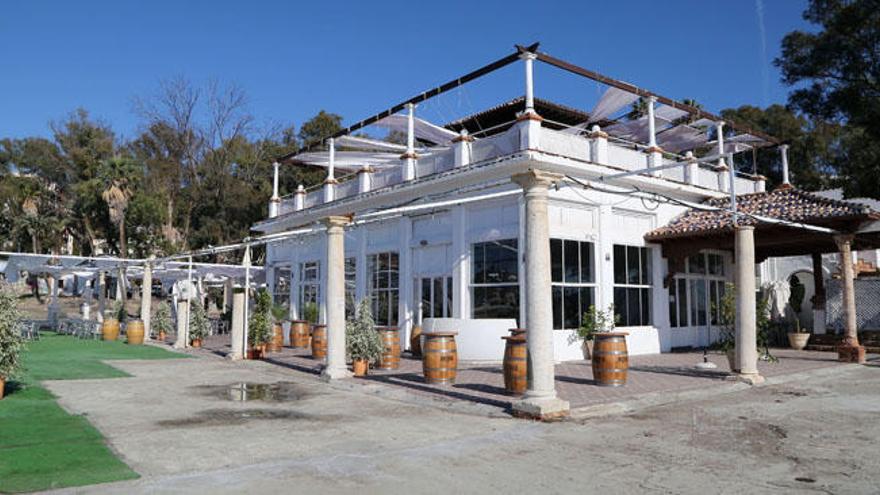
[
  {"x": 336, "y": 367},
  {"x": 182, "y": 341},
  {"x": 237, "y": 330},
  {"x": 599, "y": 148},
  {"x": 52, "y": 310},
  {"x": 462, "y": 148},
  {"x": 850, "y": 350},
  {"x": 605, "y": 256},
  {"x": 655, "y": 153},
  {"x": 719, "y": 130},
  {"x": 409, "y": 158},
  {"x": 540, "y": 399},
  {"x": 299, "y": 198},
  {"x": 529, "y": 59},
  {"x": 746, "y": 331},
  {"x": 460, "y": 264},
  {"x": 275, "y": 202},
  {"x": 691, "y": 168},
  {"x": 405, "y": 281},
  {"x": 760, "y": 183},
  {"x": 783, "y": 152},
  {"x": 330, "y": 182},
  {"x": 102, "y": 288},
  {"x": 365, "y": 179},
  {"x": 147, "y": 295}
]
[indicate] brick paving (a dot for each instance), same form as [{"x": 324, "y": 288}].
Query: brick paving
[{"x": 484, "y": 382}]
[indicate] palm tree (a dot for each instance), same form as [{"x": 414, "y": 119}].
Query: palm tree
[{"x": 119, "y": 177}]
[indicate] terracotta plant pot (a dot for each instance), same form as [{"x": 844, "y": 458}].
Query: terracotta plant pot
[
  {"x": 161, "y": 337},
  {"x": 360, "y": 366},
  {"x": 798, "y": 340},
  {"x": 197, "y": 343},
  {"x": 255, "y": 353},
  {"x": 587, "y": 349}
]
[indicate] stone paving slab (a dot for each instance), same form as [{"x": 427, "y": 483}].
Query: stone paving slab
[{"x": 483, "y": 383}]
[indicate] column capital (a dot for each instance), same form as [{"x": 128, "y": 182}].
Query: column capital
[
  {"x": 745, "y": 227},
  {"x": 533, "y": 177},
  {"x": 337, "y": 221},
  {"x": 844, "y": 240},
  {"x": 528, "y": 56}
]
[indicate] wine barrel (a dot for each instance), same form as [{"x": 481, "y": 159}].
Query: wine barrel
[
  {"x": 299, "y": 334},
  {"x": 134, "y": 332},
  {"x": 515, "y": 364},
  {"x": 440, "y": 358},
  {"x": 415, "y": 341},
  {"x": 391, "y": 344},
  {"x": 518, "y": 332},
  {"x": 610, "y": 359},
  {"x": 276, "y": 343},
  {"x": 110, "y": 329},
  {"x": 319, "y": 341}
]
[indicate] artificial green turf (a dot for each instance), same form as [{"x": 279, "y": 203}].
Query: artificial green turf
[{"x": 41, "y": 445}]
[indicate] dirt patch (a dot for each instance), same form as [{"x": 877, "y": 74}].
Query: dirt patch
[{"x": 228, "y": 417}]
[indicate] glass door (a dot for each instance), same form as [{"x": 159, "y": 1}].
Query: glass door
[{"x": 433, "y": 297}]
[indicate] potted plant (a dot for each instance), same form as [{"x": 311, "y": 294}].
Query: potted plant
[
  {"x": 11, "y": 343},
  {"x": 798, "y": 338},
  {"x": 726, "y": 309},
  {"x": 161, "y": 321},
  {"x": 594, "y": 321},
  {"x": 199, "y": 326},
  {"x": 310, "y": 312},
  {"x": 362, "y": 343},
  {"x": 260, "y": 325}
]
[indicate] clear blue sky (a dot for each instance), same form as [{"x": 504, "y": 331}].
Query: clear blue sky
[{"x": 356, "y": 58}]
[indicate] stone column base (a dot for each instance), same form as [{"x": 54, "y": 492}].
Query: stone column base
[
  {"x": 851, "y": 354},
  {"x": 234, "y": 356},
  {"x": 335, "y": 374},
  {"x": 541, "y": 409},
  {"x": 750, "y": 378}
]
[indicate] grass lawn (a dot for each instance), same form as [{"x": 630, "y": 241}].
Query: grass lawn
[{"x": 41, "y": 445}]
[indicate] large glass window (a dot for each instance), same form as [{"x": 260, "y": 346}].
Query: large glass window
[
  {"x": 695, "y": 295},
  {"x": 350, "y": 286},
  {"x": 574, "y": 283},
  {"x": 384, "y": 275},
  {"x": 281, "y": 292},
  {"x": 495, "y": 284},
  {"x": 434, "y": 296},
  {"x": 632, "y": 285},
  {"x": 309, "y": 290}
]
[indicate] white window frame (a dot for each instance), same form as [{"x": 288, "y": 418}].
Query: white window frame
[
  {"x": 618, "y": 309},
  {"x": 563, "y": 284},
  {"x": 508, "y": 284},
  {"x": 690, "y": 279}
]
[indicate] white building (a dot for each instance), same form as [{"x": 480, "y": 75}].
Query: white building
[{"x": 455, "y": 222}]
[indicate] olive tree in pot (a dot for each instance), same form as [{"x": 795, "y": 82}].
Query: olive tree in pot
[
  {"x": 161, "y": 321},
  {"x": 594, "y": 321},
  {"x": 363, "y": 344},
  {"x": 260, "y": 325},
  {"x": 11, "y": 343},
  {"x": 199, "y": 326},
  {"x": 799, "y": 337}
]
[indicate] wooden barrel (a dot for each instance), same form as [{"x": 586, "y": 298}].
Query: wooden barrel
[
  {"x": 134, "y": 332},
  {"x": 299, "y": 334},
  {"x": 276, "y": 343},
  {"x": 110, "y": 329},
  {"x": 515, "y": 364},
  {"x": 610, "y": 359},
  {"x": 518, "y": 332},
  {"x": 319, "y": 341},
  {"x": 391, "y": 344},
  {"x": 415, "y": 341},
  {"x": 440, "y": 357}
]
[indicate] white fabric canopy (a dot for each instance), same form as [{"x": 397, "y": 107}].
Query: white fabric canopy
[
  {"x": 668, "y": 113},
  {"x": 681, "y": 138},
  {"x": 611, "y": 101},
  {"x": 423, "y": 129},
  {"x": 366, "y": 144},
  {"x": 349, "y": 161}
]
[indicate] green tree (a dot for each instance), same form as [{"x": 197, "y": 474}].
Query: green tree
[
  {"x": 119, "y": 176},
  {"x": 836, "y": 73},
  {"x": 319, "y": 127}
]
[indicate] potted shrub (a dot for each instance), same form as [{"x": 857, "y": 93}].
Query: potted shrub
[
  {"x": 594, "y": 321},
  {"x": 161, "y": 321},
  {"x": 797, "y": 338},
  {"x": 11, "y": 343},
  {"x": 363, "y": 344},
  {"x": 199, "y": 326},
  {"x": 727, "y": 323},
  {"x": 260, "y": 325}
]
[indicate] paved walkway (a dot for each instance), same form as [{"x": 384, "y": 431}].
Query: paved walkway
[{"x": 483, "y": 383}]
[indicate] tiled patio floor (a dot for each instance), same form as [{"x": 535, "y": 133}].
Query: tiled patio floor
[{"x": 484, "y": 383}]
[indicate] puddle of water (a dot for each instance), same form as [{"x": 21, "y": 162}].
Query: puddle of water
[{"x": 265, "y": 392}]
